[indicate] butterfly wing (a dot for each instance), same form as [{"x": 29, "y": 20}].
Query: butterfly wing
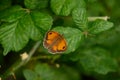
[
  {"x": 62, "y": 46},
  {"x": 59, "y": 46},
  {"x": 50, "y": 38},
  {"x": 54, "y": 42}
]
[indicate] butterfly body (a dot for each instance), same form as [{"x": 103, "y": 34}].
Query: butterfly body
[{"x": 54, "y": 42}]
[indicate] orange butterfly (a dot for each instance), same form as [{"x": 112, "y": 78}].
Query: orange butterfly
[{"x": 54, "y": 42}]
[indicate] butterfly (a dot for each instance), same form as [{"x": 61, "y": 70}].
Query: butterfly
[{"x": 54, "y": 42}]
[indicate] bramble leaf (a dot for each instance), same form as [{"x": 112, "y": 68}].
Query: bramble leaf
[
  {"x": 79, "y": 16},
  {"x": 100, "y": 26},
  {"x": 15, "y": 13},
  {"x": 15, "y": 35},
  {"x": 41, "y": 20},
  {"x": 62, "y": 7},
  {"x": 65, "y": 7},
  {"x": 36, "y": 4},
  {"x": 30, "y": 75},
  {"x": 97, "y": 60},
  {"x": 72, "y": 35},
  {"x": 45, "y": 72}
]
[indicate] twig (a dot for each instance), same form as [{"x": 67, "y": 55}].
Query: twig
[
  {"x": 20, "y": 62},
  {"x": 94, "y": 18}
]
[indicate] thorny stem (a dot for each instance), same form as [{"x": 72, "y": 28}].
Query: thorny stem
[{"x": 20, "y": 62}]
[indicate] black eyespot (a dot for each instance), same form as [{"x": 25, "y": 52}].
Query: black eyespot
[
  {"x": 63, "y": 47},
  {"x": 50, "y": 33}
]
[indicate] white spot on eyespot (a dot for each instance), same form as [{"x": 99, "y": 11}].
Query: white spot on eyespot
[{"x": 24, "y": 56}]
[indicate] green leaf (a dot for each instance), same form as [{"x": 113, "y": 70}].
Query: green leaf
[
  {"x": 80, "y": 4},
  {"x": 12, "y": 14},
  {"x": 72, "y": 35},
  {"x": 65, "y": 7},
  {"x": 79, "y": 16},
  {"x": 42, "y": 21},
  {"x": 4, "y": 4},
  {"x": 30, "y": 75},
  {"x": 62, "y": 7},
  {"x": 45, "y": 72},
  {"x": 97, "y": 60},
  {"x": 100, "y": 26},
  {"x": 15, "y": 35},
  {"x": 32, "y": 31},
  {"x": 53, "y": 73},
  {"x": 36, "y": 4}
]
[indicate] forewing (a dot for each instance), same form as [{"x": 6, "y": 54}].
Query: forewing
[{"x": 50, "y": 38}]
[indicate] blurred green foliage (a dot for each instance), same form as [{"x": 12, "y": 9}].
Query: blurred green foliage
[{"x": 93, "y": 47}]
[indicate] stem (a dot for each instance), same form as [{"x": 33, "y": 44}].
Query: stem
[
  {"x": 19, "y": 63},
  {"x": 94, "y": 18}
]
